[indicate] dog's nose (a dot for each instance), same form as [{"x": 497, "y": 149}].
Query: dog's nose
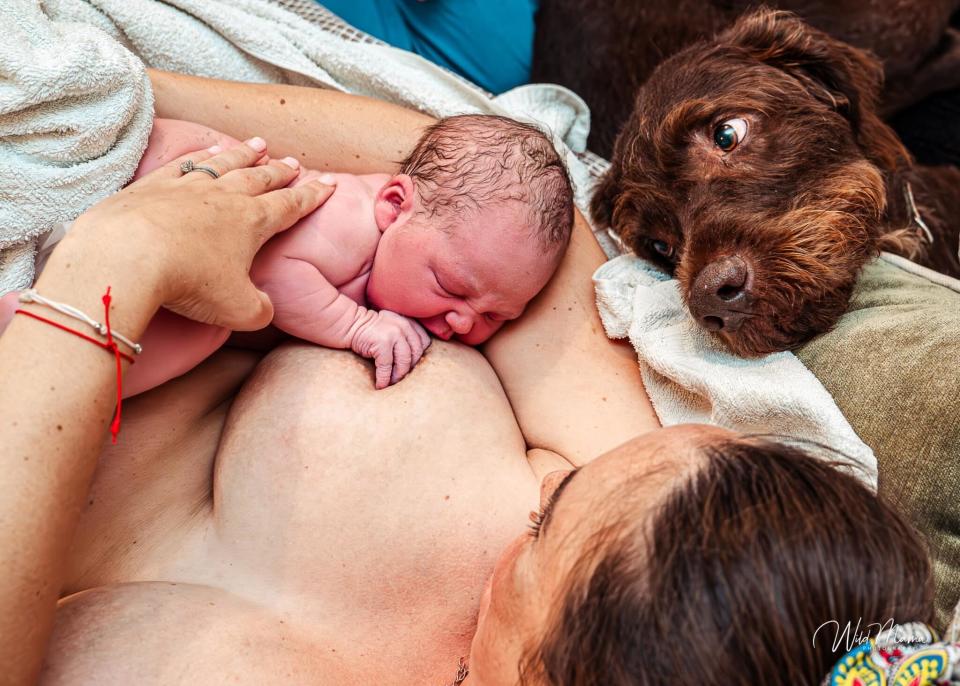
[{"x": 720, "y": 296}]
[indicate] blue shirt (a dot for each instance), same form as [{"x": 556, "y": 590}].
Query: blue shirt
[{"x": 490, "y": 42}]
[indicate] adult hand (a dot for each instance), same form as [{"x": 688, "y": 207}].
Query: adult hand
[{"x": 194, "y": 237}]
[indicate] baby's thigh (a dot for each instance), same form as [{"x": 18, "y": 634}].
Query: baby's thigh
[
  {"x": 171, "y": 138},
  {"x": 8, "y": 305},
  {"x": 172, "y": 345}
]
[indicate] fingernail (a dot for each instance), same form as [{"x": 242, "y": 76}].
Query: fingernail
[
  {"x": 257, "y": 144},
  {"x": 214, "y": 149},
  {"x": 328, "y": 179},
  {"x": 291, "y": 162}
]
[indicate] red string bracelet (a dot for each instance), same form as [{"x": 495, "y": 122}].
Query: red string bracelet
[{"x": 110, "y": 345}]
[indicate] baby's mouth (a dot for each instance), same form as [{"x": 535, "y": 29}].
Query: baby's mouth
[{"x": 438, "y": 328}]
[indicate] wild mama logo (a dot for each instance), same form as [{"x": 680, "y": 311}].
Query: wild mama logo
[{"x": 850, "y": 634}]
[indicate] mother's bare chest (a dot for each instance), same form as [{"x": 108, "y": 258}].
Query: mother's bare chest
[
  {"x": 366, "y": 502},
  {"x": 352, "y": 533}
]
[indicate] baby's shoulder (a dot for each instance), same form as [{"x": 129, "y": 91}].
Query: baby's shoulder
[{"x": 341, "y": 235}]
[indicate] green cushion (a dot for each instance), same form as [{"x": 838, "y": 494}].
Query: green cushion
[{"x": 893, "y": 366}]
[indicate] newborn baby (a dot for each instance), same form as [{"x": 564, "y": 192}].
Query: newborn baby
[{"x": 456, "y": 244}]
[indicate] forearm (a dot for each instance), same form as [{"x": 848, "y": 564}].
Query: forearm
[
  {"x": 56, "y": 401},
  {"x": 324, "y": 129},
  {"x": 328, "y": 320},
  {"x": 573, "y": 390},
  {"x": 306, "y": 304}
]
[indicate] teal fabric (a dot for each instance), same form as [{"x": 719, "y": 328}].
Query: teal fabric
[{"x": 489, "y": 42}]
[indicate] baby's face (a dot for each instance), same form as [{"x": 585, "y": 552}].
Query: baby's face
[{"x": 465, "y": 283}]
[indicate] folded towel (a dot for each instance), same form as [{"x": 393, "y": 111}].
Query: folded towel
[
  {"x": 76, "y": 107},
  {"x": 75, "y": 114},
  {"x": 692, "y": 377}
]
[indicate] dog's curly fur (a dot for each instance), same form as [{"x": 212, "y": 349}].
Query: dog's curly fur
[{"x": 814, "y": 189}]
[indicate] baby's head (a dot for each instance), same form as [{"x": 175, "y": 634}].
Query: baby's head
[{"x": 473, "y": 227}]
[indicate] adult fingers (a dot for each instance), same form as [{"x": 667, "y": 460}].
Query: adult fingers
[
  {"x": 238, "y": 157},
  {"x": 284, "y": 207},
  {"x": 383, "y": 362},
  {"x": 171, "y": 170},
  {"x": 262, "y": 178}
]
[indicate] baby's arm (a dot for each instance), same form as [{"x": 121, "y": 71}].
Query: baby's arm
[{"x": 308, "y": 306}]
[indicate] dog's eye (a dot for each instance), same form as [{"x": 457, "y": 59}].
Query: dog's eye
[
  {"x": 662, "y": 248},
  {"x": 730, "y": 134}
]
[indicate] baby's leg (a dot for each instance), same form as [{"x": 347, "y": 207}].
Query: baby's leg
[
  {"x": 172, "y": 345},
  {"x": 8, "y": 305}
]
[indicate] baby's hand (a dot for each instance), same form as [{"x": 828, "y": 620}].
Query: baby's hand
[{"x": 394, "y": 342}]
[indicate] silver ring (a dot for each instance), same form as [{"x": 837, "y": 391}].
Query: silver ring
[{"x": 189, "y": 166}]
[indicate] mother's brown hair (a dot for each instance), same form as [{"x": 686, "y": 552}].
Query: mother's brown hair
[{"x": 730, "y": 581}]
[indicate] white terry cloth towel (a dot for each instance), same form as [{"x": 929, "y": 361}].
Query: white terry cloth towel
[
  {"x": 86, "y": 115},
  {"x": 75, "y": 113},
  {"x": 692, "y": 377}
]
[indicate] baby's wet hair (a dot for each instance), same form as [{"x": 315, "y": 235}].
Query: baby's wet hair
[{"x": 469, "y": 161}]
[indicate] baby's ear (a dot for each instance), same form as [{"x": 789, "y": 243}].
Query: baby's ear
[{"x": 394, "y": 202}]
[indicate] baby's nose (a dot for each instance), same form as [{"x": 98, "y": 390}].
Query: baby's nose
[{"x": 460, "y": 324}]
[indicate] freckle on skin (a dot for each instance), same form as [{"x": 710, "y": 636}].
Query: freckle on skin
[
  {"x": 59, "y": 427},
  {"x": 282, "y": 101},
  {"x": 226, "y": 107}
]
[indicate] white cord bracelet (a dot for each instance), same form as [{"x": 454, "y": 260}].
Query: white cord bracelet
[{"x": 31, "y": 296}]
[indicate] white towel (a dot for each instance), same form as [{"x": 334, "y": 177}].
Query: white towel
[
  {"x": 78, "y": 124},
  {"x": 692, "y": 377},
  {"x": 75, "y": 114}
]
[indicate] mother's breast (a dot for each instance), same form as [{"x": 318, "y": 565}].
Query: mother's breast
[
  {"x": 332, "y": 488},
  {"x": 167, "y": 633}
]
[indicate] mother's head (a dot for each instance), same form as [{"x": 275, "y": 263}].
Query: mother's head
[{"x": 692, "y": 555}]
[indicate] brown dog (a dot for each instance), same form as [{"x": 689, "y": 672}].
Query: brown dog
[
  {"x": 754, "y": 166},
  {"x": 606, "y": 49}
]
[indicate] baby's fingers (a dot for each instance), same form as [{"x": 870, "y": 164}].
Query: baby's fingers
[
  {"x": 415, "y": 343},
  {"x": 422, "y": 334},
  {"x": 383, "y": 368},
  {"x": 402, "y": 360}
]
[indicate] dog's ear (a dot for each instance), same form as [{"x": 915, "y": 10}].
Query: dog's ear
[
  {"x": 845, "y": 78},
  {"x": 604, "y": 199}
]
